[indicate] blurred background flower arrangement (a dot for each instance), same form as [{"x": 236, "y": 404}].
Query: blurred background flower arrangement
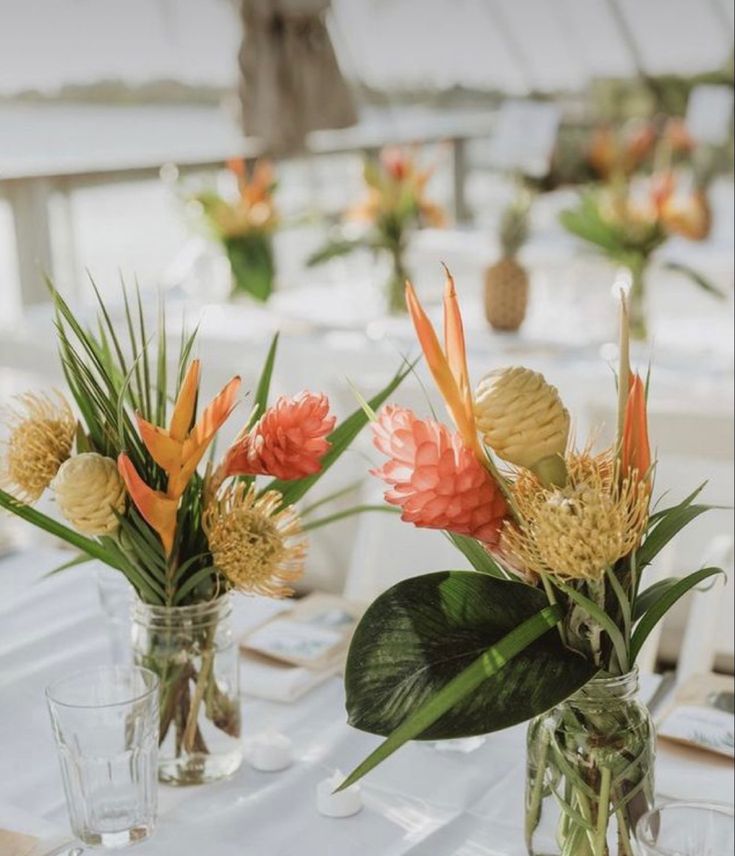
[
  {"x": 245, "y": 226},
  {"x": 395, "y": 204}
]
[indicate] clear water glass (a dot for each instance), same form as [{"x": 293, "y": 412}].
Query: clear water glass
[
  {"x": 687, "y": 829},
  {"x": 105, "y": 722}
]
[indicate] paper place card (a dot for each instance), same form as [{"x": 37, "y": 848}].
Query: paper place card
[
  {"x": 701, "y": 715},
  {"x": 313, "y": 634},
  {"x": 703, "y": 727}
]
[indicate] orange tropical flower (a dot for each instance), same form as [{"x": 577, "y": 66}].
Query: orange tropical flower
[
  {"x": 288, "y": 441},
  {"x": 448, "y": 366},
  {"x": 614, "y": 152},
  {"x": 435, "y": 479},
  {"x": 635, "y": 453},
  {"x": 178, "y": 451},
  {"x": 689, "y": 216}
]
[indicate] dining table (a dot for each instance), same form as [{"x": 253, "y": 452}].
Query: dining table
[{"x": 458, "y": 798}]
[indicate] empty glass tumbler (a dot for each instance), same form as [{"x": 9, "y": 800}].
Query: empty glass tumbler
[
  {"x": 105, "y": 723},
  {"x": 687, "y": 829}
]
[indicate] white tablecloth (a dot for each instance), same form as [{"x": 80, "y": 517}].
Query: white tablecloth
[{"x": 422, "y": 801}]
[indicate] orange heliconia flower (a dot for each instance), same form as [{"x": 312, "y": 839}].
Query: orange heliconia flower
[
  {"x": 435, "y": 479},
  {"x": 635, "y": 452},
  {"x": 178, "y": 451},
  {"x": 288, "y": 441},
  {"x": 448, "y": 366}
]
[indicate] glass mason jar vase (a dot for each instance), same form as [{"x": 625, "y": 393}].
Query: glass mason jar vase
[
  {"x": 192, "y": 651},
  {"x": 590, "y": 771}
]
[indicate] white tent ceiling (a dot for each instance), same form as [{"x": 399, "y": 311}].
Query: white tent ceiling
[{"x": 508, "y": 45}]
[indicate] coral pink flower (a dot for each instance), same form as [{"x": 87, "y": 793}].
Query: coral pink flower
[
  {"x": 437, "y": 481},
  {"x": 288, "y": 441}
]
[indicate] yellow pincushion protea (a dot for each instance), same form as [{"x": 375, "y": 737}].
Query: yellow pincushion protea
[
  {"x": 521, "y": 416},
  {"x": 253, "y": 543},
  {"x": 90, "y": 493},
  {"x": 579, "y": 530},
  {"x": 40, "y": 437}
]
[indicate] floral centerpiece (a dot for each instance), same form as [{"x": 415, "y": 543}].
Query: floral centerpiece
[
  {"x": 245, "y": 226},
  {"x": 628, "y": 221},
  {"x": 548, "y": 625},
  {"x": 126, "y": 472},
  {"x": 395, "y": 203}
]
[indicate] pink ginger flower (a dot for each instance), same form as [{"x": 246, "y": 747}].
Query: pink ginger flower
[
  {"x": 288, "y": 441},
  {"x": 435, "y": 479}
]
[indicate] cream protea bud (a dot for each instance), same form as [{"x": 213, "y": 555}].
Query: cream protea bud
[
  {"x": 522, "y": 417},
  {"x": 89, "y": 491}
]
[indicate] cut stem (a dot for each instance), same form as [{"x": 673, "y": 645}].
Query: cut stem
[{"x": 603, "y": 811}]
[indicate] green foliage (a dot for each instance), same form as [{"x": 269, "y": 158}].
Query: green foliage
[
  {"x": 477, "y": 555},
  {"x": 663, "y": 603},
  {"x": 514, "y": 223},
  {"x": 253, "y": 264},
  {"x": 626, "y": 246},
  {"x": 453, "y": 654},
  {"x": 336, "y": 248},
  {"x": 697, "y": 278}
]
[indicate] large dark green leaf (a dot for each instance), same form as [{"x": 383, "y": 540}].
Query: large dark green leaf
[
  {"x": 423, "y": 632},
  {"x": 488, "y": 664}
]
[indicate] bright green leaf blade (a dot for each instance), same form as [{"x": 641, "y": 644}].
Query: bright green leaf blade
[
  {"x": 490, "y": 663},
  {"x": 81, "y": 559},
  {"x": 422, "y": 632},
  {"x": 477, "y": 555},
  {"x": 264, "y": 383},
  {"x": 664, "y": 603},
  {"x": 340, "y": 439},
  {"x": 331, "y": 497},
  {"x": 348, "y": 512},
  {"x": 53, "y": 527},
  {"x": 647, "y": 598},
  {"x": 662, "y": 512},
  {"x": 697, "y": 278},
  {"x": 666, "y": 527}
]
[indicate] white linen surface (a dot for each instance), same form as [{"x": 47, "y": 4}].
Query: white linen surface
[{"x": 420, "y": 802}]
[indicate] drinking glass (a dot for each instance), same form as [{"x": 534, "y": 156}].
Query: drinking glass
[
  {"x": 105, "y": 723},
  {"x": 686, "y": 829}
]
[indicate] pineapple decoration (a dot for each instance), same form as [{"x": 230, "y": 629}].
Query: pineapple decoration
[{"x": 506, "y": 282}]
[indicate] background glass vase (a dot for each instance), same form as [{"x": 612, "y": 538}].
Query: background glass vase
[
  {"x": 105, "y": 724},
  {"x": 192, "y": 651},
  {"x": 253, "y": 264},
  {"x": 590, "y": 771}
]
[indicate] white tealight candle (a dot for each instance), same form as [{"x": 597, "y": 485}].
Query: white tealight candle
[
  {"x": 343, "y": 804},
  {"x": 270, "y": 752}
]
